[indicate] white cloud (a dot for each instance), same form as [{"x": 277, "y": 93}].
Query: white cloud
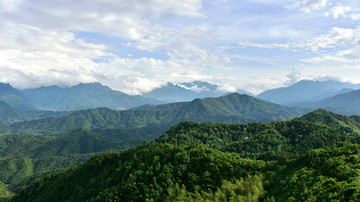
[
  {"x": 354, "y": 16},
  {"x": 325, "y": 58},
  {"x": 38, "y": 47},
  {"x": 266, "y": 46},
  {"x": 309, "y": 5},
  {"x": 335, "y": 38},
  {"x": 293, "y": 77},
  {"x": 338, "y": 11}
]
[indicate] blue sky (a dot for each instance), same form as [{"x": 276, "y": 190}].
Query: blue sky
[{"x": 136, "y": 46}]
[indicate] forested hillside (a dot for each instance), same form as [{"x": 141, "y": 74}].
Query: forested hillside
[
  {"x": 194, "y": 172},
  {"x": 232, "y": 108},
  {"x": 314, "y": 157},
  {"x": 258, "y": 140},
  {"x": 26, "y": 158}
]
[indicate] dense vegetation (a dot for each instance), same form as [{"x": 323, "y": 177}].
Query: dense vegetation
[
  {"x": 194, "y": 172},
  {"x": 305, "y": 159},
  {"x": 26, "y": 158},
  {"x": 320, "y": 175},
  {"x": 233, "y": 108},
  {"x": 149, "y": 171},
  {"x": 258, "y": 140}
]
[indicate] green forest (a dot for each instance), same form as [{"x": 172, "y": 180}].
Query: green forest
[{"x": 312, "y": 158}]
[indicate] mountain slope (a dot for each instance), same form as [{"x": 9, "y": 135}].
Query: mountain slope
[
  {"x": 84, "y": 96},
  {"x": 306, "y": 90},
  {"x": 23, "y": 159},
  {"x": 10, "y": 115},
  {"x": 258, "y": 140},
  {"x": 146, "y": 172},
  {"x": 233, "y": 108},
  {"x": 347, "y": 124},
  {"x": 191, "y": 162},
  {"x": 78, "y": 141},
  {"x": 345, "y": 103},
  {"x": 15, "y": 98},
  {"x": 162, "y": 172}
]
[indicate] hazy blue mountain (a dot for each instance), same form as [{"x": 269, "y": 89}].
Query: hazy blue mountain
[
  {"x": 10, "y": 115},
  {"x": 234, "y": 108},
  {"x": 84, "y": 96},
  {"x": 345, "y": 103},
  {"x": 187, "y": 91},
  {"x": 15, "y": 98},
  {"x": 306, "y": 90}
]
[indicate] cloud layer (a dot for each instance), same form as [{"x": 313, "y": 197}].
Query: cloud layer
[{"x": 135, "y": 46}]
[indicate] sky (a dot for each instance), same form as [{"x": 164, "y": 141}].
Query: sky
[{"x": 138, "y": 45}]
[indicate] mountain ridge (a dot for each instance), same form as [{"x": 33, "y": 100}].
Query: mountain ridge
[
  {"x": 84, "y": 96},
  {"x": 344, "y": 103},
  {"x": 306, "y": 90},
  {"x": 228, "y": 109}
]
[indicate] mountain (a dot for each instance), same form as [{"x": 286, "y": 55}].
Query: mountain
[
  {"x": 345, "y": 103},
  {"x": 84, "y": 96},
  {"x": 232, "y": 108},
  {"x": 187, "y": 91},
  {"x": 214, "y": 162},
  {"x": 306, "y": 90},
  {"x": 15, "y": 98},
  {"x": 9, "y": 115}
]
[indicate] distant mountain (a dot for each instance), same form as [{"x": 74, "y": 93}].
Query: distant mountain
[
  {"x": 84, "y": 96},
  {"x": 9, "y": 115},
  {"x": 233, "y": 108},
  {"x": 187, "y": 91},
  {"x": 15, "y": 98},
  {"x": 345, "y": 103},
  {"x": 306, "y": 90}
]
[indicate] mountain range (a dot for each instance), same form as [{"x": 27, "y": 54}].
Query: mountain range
[
  {"x": 256, "y": 150},
  {"x": 343, "y": 103},
  {"x": 84, "y": 96},
  {"x": 307, "y": 90},
  {"x": 295, "y": 160},
  {"x": 305, "y": 93},
  {"x": 233, "y": 108}
]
